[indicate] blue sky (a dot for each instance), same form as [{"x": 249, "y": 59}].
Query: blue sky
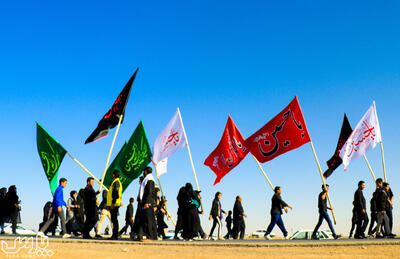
[{"x": 63, "y": 64}]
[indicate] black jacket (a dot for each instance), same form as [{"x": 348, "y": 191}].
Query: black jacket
[
  {"x": 381, "y": 200},
  {"x": 103, "y": 203},
  {"x": 129, "y": 213},
  {"x": 89, "y": 199},
  {"x": 359, "y": 201},
  {"x": 149, "y": 196},
  {"x": 322, "y": 205},
  {"x": 215, "y": 209},
  {"x": 237, "y": 211},
  {"x": 277, "y": 204}
]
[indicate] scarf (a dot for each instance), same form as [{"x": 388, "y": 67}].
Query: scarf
[{"x": 149, "y": 177}]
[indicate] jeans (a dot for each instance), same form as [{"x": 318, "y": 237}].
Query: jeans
[
  {"x": 323, "y": 214},
  {"x": 276, "y": 219}
]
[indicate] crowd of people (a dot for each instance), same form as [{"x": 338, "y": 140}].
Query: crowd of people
[{"x": 83, "y": 214}]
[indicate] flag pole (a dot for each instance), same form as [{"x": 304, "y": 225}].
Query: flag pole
[
  {"x": 369, "y": 167},
  {"x": 190, "y": 155},
  {"x": 109, "y": 154},
  {"x": 383, "y": 162},
  {"x": 323, "y": 181},
  {"x": 87, "y": 171},
  {"x": 262, "y": 170},
  {"x": 162, "y": 193}
]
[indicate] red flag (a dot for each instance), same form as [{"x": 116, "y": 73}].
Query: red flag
[
  {"x": 229, "y": 152},
  {"x": 286, "y": 131}
]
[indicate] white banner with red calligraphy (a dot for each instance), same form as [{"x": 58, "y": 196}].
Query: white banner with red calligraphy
[
  {"x": 170, "y": 140},
  {"x": 161, "y": 167},
  {"x": 364, "y": 137}
]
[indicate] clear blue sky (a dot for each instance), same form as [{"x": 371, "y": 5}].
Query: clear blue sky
[{"x": 63, "y": 64}]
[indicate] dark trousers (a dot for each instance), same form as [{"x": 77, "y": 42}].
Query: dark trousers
[
  {"x": 371, "y": 229},
  {"x": 90, "y": 222},
  {"x": 389, "y": 213},
  {"x": 125, "y": 228},
  {"x": 276, "y": 219},
  {"x": 52, "y": 218},
  {"x": 14, "y": 219},
  {"x": 353, "y": 223},
  {"x": 239, "y": 227},
  {"x": 216, "y": 221},
  {"x": 362, "y": 223},
  {"x": 114, "y": 221},
  {"x": 323, "y": 214},
  {"x": 230, "y": 233}
]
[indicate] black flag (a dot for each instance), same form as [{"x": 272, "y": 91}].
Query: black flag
[
  {"x": 335, "y": 160},
  {"x": 111, "y": 118}
]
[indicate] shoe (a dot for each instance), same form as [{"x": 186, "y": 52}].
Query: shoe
[
  {"x": 66, "y": 236},
  {"x": 358, "y": 237},
  {"x": 98, "y": 236},
  {"x": 379, "y": 236},
  {"x": 268, "y": 237},
  {"x": 286, "y": 237},
  {"x": 197, "y": 239},
  {"x": 2, "y": 232},
  {"x": 40, "y": 233},
  {"x": 212, "y": 238},
  {"x": 87, "y": 237},
  {"x": 337, "y": 236},
  {"x": 314, "y": 238},
  {"x": 391, "y": 235}
]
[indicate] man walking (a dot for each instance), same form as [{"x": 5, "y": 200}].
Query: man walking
[
  {"x": 104, "y": 213},
  {"x": 238, "y": 220},
  {"x": 277, "y": 205},
  {"x": 128, "y": 218},
  {"x": 57, "y": 210},
  {"x": 360, "y": 211},
  {"x": 323, "y": 213},
  {"x": 147, "y": 197},
  {"x": 114, "y": 202},
  {"x": 90, "y": 208}
]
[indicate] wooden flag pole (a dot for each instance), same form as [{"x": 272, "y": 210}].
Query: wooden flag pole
[
  {"x": 87, "y": 171},
  {"x": 109, "y": 154},
  {"x": 162, "y": 193},
  {"x": 383, "y": 163},
  {"x": 190, "y": 156},
  {"x": 262, "y": 170},
  {"x": 323, "y": 181},
  {"x": 370, "y": 168}
]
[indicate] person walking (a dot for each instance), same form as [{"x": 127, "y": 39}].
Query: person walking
[
  {"x": 323, "y": 213},
  {"x": 360, "y": 210},
  {"x": 128, "y": 218},
  {"x": 216, "y": 216},
  {"x": 277, "y": 205},
  {"x": 114, "y": 196},
  {"x": 104, "y": 213},
  {"x": 12, "y": 200},
  {"x": 72, "y": 225},
  {"x": 228, "y": 222},
  {"x": 90, "y": 208},
  {"x": 239, "y": 226},
  {"x": 57, "y": 210}
]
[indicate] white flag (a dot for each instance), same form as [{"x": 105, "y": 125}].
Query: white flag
[
  {"x": 171, "y": 139},
  {"x": 161, "y": 167},
  {"x": 364, "y": 137}
]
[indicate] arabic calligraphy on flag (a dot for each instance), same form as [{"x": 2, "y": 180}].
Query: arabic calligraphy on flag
[
  {"x": 285, "y": 132},
  {"x": 364, "y": 137},
  {"x": 229, "y": 152},
  {"x": 170, "y": 139}
]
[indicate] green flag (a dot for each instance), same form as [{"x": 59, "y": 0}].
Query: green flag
[
  {"x": 51, "y": 154},
  {"x": 131, "y": 160}
]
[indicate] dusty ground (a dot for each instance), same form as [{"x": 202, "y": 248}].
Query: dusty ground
[{"x": 79, "y": 249}]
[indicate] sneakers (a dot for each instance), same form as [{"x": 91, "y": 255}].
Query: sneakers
[
  {"x": 286, "y": 237},
  {"x": 40, "y": 233},
  {"x": 268, "y": 237},
  {"x": 66, "y": 236}
]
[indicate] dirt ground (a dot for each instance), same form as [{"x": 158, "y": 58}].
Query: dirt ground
[{"x": 121, "y": 250}]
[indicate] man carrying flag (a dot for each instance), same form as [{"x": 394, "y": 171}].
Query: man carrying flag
[
  {"x": 114, "y": 196},
  {"x": 229, "y": 152},
  {"x": 335, "y": 161}
]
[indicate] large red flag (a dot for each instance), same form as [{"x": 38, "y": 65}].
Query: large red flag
[
  {"x": 286, "y": 131},
  {"x": 229, "y": 152}
]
